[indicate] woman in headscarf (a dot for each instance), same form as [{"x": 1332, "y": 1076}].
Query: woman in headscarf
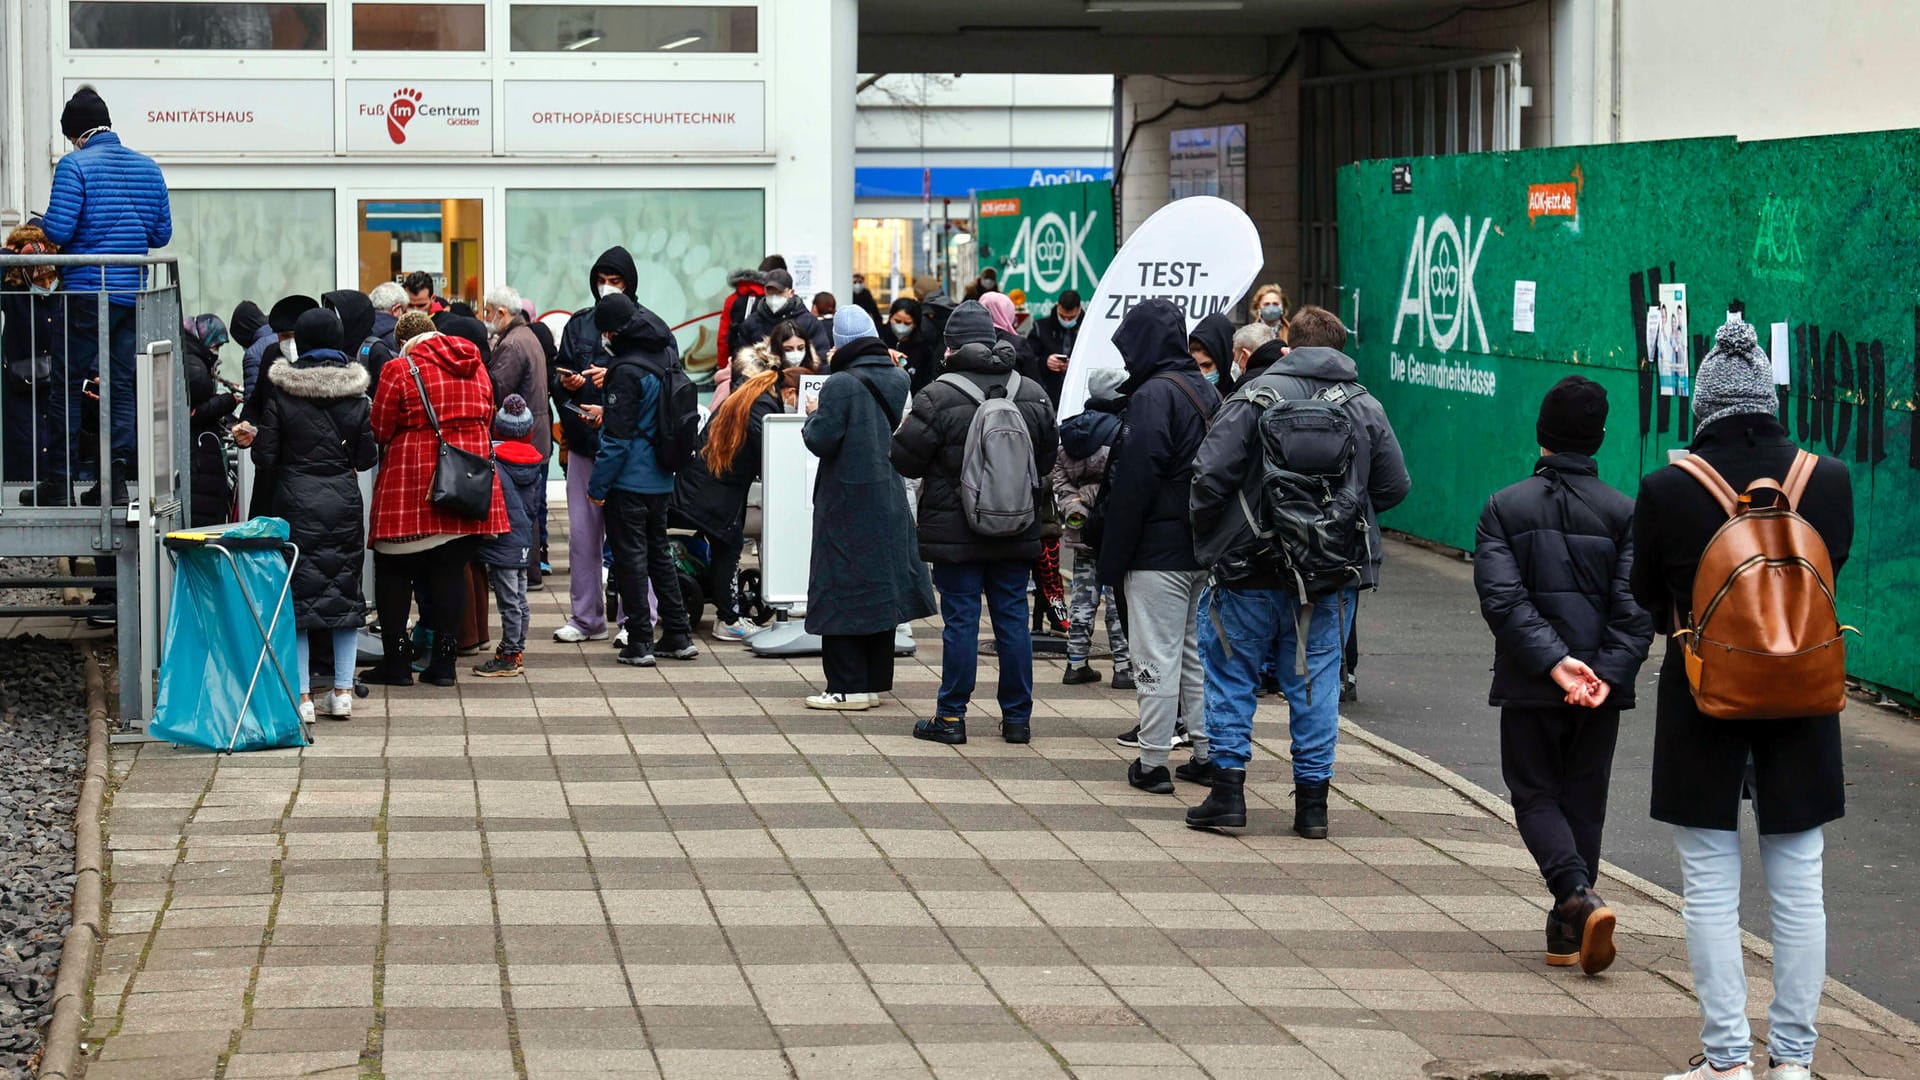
[{"x": 1049, "y": 617}]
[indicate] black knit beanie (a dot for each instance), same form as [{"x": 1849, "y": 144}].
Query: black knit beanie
[
  {"x": 318, "y": 329},
  {"x": 85, "y": 111},
  {"x": 1573, "y": 418}
]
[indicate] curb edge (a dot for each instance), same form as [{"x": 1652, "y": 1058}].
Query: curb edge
[{"x": 60, "y": 1054}]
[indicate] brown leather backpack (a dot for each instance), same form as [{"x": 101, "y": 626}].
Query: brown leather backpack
[{"x": 1765, "y": 643}]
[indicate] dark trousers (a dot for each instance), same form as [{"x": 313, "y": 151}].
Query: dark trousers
[
  {"x": 83, "y": 355},
  {"x": 440, "y": 573},
  {"x": 1004, "y": 585},
  {"x": 637, "y": 528},
  {"x": 858, "y": 663},
  {"x": 1557, "y": 763},
  {"x": 723, "y": 565}
]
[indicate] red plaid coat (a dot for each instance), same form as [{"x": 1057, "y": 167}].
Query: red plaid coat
[{"x": 462, "y": 397}]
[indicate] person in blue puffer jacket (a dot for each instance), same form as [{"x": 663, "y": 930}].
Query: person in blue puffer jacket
[{"x": 105, "y": 200}]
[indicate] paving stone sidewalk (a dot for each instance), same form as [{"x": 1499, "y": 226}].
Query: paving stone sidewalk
[{"x": 601, "y": 871}]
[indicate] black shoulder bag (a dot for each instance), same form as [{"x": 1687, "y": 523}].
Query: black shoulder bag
[{"x": 462, "y": 480}]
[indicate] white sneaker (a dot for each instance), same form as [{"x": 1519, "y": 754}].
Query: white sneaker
[
  {"x": 873, "y": 701},
  {"x": 842, "y": 702},
  {"x": 1703, "y": 1071},
  {"x": 573, "y": 635},
  {"x": 340, "y": 705},
  {"x": 1790, "y": 1070},
  {"x": 737, "y": 630},
  {"x": 306, "y": 712},
  {"x": 619, "y": 639}
]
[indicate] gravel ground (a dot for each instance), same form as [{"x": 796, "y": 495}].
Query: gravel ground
[{"x": 43, "y": 757}]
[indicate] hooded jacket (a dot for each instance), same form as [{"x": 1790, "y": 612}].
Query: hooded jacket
[
  {"x": 579, "y": 350},
  {"x": 462, "y": 398},
  {"x": 1168, "y": 408},
  {"x": 518, "y": 365},
  {"x": 1215, "y": 334},
  {"x": 627, "y": 461},
  {"x": 247, "y": 322},
  {"x": 522, "y": 475},
  {"x": 107, "y": 200},
  {"x": 760, "y": 322},
  {"x": 748, "y": 287},
  {"x": 357, "y": 319},
  {"x": 1551, "y": 561},
  {"x": 1230, "y": 459},
  {"x": 316, "y": 434},
  {"x": 931, "y": 443}
]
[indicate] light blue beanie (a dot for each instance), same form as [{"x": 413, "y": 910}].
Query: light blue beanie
[{"x": 850, "y": 324}]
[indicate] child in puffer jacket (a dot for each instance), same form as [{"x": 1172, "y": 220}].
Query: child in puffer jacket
[
  {"x": 1079, "y": 477},
  {"x": 505, "y": 556}
]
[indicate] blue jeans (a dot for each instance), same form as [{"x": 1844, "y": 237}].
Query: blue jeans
[
  {"x": 346, "y": 649},
  {"x": 1710, "y": 866},
  {"x": 83, "y": 355},
  {"x": 961, "y": 586},
  {"x": 1255, "y": 622}
]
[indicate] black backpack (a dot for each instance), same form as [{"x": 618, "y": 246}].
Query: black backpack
[{"x": 676, "y": 429}]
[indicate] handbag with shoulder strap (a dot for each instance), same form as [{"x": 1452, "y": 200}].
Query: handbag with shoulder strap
[{"x": 462, "y": 480}]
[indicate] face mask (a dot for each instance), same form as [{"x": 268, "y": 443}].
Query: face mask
[
  {"x": 1270, "y": 313},
  {"x": 39, "y": 290},
  {"x": 901, "y": 330},
  {"x": 795, "y": 357},
  {"x": 776, "y": 304},
  {"x": 289, "y": 350},
  {"x": 1068, "y": 324},
  {"x": 606, "y": 288},
  {"x": 1212, "y": 376},
  {"x": 606, "y": 345}
]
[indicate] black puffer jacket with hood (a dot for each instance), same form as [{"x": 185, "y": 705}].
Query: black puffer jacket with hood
[
  {"x": 1169, "y": 404},
  {"x": 363, "y": 342},
  {"x": 579, "y": 350},
  {"x": 1230, "y": 460},
  {"x": 1215, "y": 334},
  {"x": 931, "y": 444}
]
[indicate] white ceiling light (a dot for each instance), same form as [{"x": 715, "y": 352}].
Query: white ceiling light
[
  {"x": 582, "y": 41},
  {"x": 1182, "y": 7},
  {"x": 681, "y": 42}
]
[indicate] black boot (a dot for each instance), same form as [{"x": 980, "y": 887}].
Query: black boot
[
  {"x": 445, "y": 666},
  {"x": 1225, "y": 806},
  {"x": 1310, "y": 810},
  {"x": 395, "y": 667}
]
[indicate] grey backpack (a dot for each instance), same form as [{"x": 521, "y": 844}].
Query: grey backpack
[{"x": 998, "y": 479}]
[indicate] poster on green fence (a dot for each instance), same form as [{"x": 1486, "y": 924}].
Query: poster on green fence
[
  {"x": 1637, "y": 254},
  {"x": 1046, "y": 240}
]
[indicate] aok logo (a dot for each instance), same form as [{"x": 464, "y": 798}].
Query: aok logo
[
  {"x": 1436, "y": 290},
  {"x": 1049, "y": 252}
]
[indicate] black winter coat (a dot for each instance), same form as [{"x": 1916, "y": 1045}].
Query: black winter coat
[
  {"x": 1051, "y": 338},
  {"x": 717, "y": 505},
  {"x": 316, "y": 433},
  {"x": 1551, "y": 563},
  {"x": 579, "y": 349},
  {"x": 1169, "y": 405},
  {"x": 1700, "y": 764},
  {"x": 922, "y": 361},
  {"x": 864, "y": 576},
  {"x": 212, "y": 493},
  {"x": 932, "y": 442}
]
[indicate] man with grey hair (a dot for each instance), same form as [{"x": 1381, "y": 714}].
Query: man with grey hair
[
  {"x": 518, "y": 365},
  {"x": 1245, "y": 340},
  {"x": 389, "y": 303}
]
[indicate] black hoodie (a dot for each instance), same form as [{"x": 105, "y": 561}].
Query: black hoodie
[
  {"x": 1169, "y": 407},
  {"x": 247, "y": 322},
  {"x": 642, "y": 344},
  {"x": 1215, "y": 334},
  {"x": 356, "y": 318},
  {"x": 579, "y": 349}
]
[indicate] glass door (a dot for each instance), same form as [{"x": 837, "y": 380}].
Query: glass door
[{"x": 439, "y": 237}]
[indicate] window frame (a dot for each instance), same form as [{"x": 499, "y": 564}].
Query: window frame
[
  {"x": 63, "y": 35},
  {"x": 488, "y": 31},
  {"x": 508, "y": 52}
]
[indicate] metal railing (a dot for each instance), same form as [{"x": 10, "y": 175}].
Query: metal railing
[{"x": 94, "y": 423}]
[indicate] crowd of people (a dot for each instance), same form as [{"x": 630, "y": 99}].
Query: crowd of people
[{"x": 1218, "y": 498}]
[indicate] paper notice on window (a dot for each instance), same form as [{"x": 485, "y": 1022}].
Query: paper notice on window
[
  {"x": 804, "y": 268},
  {"x": 1674, "y": 343},
  {"x": 1782, "y": 334},
  {"x": 1523, "y": 296}
]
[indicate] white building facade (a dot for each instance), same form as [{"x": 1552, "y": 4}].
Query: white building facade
[{"x": 318, "y": 144}]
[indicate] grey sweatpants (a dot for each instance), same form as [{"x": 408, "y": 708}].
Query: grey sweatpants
[{"x": 1163, "y": 610}]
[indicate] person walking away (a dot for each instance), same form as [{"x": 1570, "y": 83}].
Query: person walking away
[
  {"x": 1211, "y": 344},
  {"x": 630, "y": 482},
  {"x": 710, "y": 493},
  {"x": 1078, "y": 483},
  {"x": 106, "y": 199},
  {"x": 911, "y": 349},
  {"x": 414, "y": 540},
  {"x": 936, "y": 444},
  {"x": 519, "y": 366},
  {"x": 1551, "y": 562},
  {"x": 317, "y": 434},
  {"x": 1702, "y": 765},
  {"x": 781, "y": 306},
  {"x": 579, "y": 373},
  {"x": 1256, "y": 597},
  {"x": 1147, "y": 543},
  {"x": 521, "y": 470},
  {"x": 1053, "y": 336},
  {"x": 864, "y": 580}
]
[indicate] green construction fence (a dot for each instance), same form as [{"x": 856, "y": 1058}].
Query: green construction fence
[{"x": 1822, "y": 234}]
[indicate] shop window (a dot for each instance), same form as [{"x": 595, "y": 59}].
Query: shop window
[
  {"x": 683, "y": 243},
  {"x": 620, "y": 28},
  {"x": 420, "y": 27},
  {"x": 250, "y": 245},
  {"x": 103, "y": 24}
]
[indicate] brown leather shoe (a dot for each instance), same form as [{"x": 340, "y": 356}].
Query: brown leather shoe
[
  {"x": 1587, "y": 913},
  {"x": 1563, "y": 943}
]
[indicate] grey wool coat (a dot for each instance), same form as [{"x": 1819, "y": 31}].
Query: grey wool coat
[{"x": 867, "y": 576}]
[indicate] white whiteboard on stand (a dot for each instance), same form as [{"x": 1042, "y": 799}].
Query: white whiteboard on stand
[{"x": 787, "y": 470}]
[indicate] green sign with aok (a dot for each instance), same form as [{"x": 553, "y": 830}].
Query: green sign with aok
[
  {"x": 1046, "y": 240},
  {"x": 1488, "y": 277}
]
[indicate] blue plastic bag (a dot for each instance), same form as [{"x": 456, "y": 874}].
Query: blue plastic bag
[{"x": 212, "y": 648}]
